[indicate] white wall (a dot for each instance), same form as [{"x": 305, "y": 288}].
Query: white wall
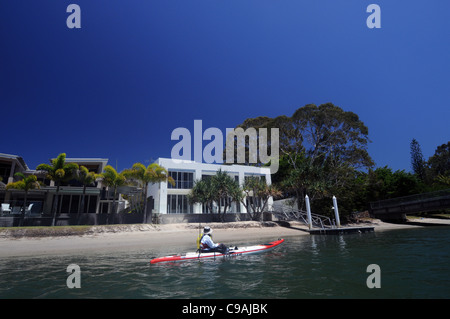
[{"x": 159, "y": 191}]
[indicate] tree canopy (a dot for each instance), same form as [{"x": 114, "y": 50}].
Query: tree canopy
[{"x": 320, "y": 148}]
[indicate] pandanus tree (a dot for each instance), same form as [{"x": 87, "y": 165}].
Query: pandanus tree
[
  {"x": 222, "y": 189},
  {"x": 444, "y": 180},
  {"x": 225, "y": 188},
  {"x": 26, "y": 183},
  {"x": 257, "y": 195},
  {"x": 202, "y": 193},
  {"x": 153, "y": 173},
  {"x": 219, "y": 188},
  {"x": 58, "y": 171}
]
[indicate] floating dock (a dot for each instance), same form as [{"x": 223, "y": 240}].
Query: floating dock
[{"x": 341, "y": 230}]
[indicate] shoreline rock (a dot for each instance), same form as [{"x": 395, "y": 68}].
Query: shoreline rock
[{"x": 92, "y": 230}]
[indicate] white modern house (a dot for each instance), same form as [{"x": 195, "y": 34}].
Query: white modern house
[{"x": 169, "y": 199}]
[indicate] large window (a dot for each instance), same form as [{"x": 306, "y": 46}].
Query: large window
[
  {"x": 261, "y": 177},
  {"x": 72, "y": 203},
  {"x": 183, "y": 180},
  {"x": 232, "y": 206},
  {"x": 178, "y": 204}
]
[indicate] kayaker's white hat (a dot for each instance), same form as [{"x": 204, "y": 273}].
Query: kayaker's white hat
[{"x": 207, "y": 230}]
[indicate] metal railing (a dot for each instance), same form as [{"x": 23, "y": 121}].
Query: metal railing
[{"x": 286, "y": 213}]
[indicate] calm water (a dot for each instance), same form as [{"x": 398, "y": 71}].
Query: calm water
[{"x": 414, "y": 264}]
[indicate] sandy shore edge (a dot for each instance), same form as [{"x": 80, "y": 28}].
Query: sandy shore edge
[{"x": 166, "y": 238}]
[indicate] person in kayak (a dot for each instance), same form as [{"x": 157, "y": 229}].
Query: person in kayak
[{"x": 207, "y": 245}]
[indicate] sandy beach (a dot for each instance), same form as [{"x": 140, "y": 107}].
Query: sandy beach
[{"x": 168, "y": 236}]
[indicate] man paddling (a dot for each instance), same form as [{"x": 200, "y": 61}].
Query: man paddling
[{"x": 208, "y": 246}]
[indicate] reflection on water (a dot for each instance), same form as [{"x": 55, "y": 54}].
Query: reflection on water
[{"x": 414, "y": 264}]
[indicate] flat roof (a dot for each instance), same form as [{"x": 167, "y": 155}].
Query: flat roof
[
  {"x": 170, "y": 163},
  {"x": 15, "y": 157},
  {"x": 86, "y": 160}
]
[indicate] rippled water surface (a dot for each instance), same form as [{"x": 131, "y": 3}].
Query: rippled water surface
[{"x": 414, "y": 264}]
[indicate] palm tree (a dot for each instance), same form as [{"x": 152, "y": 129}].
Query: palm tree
[
  {"x": 86, "y": 178},
  {"x": 26, "y": 183},
  {"x": 58, "y": 171},
  {"x": 153, "y": 173},
  {"x": 112, "y": 179}
]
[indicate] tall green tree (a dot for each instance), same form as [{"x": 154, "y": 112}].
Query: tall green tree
[
  {"x": 58, "y": 171},
  {"x": 439, "y": 162},
  {"x": 330, "y": 134},
  {"x": 417, "y": 160},
  {"x": 26, "y": 183},
  {"x": 324, "y": 133},
  {"x": 153, "y": 173}
]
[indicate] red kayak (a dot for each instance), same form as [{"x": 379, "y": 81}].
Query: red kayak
[{"x": 231, "y": 253}]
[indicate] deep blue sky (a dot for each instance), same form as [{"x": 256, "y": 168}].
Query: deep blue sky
[{"x": 136, "y": 70}]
